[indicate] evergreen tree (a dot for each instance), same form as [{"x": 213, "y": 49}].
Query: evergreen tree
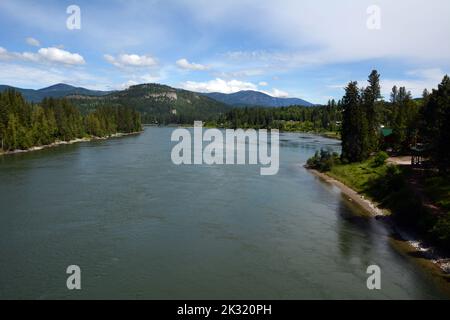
[
  {"x": 354, "y": 126},
  {"x": 370, "y": 96},
  {"x": 436, "y": 124}
]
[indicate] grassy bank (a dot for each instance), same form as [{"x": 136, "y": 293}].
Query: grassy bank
[{"x": 418, "y": 200}]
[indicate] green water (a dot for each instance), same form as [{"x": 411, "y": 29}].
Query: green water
[{"x": 141, "y": 227}]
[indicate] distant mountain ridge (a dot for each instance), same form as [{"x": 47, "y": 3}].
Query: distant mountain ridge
[
  {"x": 56, "y": 91},
  {"x": 256, "y": 98},
  {"x": 157, "y": 103}
]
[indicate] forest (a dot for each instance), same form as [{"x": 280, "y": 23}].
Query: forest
[
  {"x": 417, "y": 195},
  {"x": 24, "y": 125}
]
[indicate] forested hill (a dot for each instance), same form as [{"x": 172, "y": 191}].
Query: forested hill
[
  {"x": 56, "y": 91},
  {"x": 157, "y": 103},
  {"x": 24, "y": 125},
  {"x": 255, "y": 98}
]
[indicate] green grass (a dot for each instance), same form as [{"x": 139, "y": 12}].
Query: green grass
[
  {"x": 358, "y": 176},
  {"x": 438, "y": 189},
  {"x": 388, "y": 185}
]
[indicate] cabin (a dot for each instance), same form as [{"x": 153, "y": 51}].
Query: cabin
[{"x": 387, "y": 137}]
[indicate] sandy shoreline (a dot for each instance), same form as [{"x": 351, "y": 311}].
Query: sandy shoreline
[
  {"x": 413, "y": 243},
  {"x": 61, "y": 143}
]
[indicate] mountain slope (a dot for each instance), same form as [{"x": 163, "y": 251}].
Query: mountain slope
[
  {"x": 157, "y": 103},
  {"x": 255, "y": 98},
  {"x": 56, "y": 91}
]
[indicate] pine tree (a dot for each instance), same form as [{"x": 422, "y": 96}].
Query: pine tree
[
  {"x": 354, "y": 126},
  {"x": 370, "y": 96},
  {"x": 435, "y": 130}
]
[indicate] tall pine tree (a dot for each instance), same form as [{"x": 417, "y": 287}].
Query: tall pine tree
[{"x": 354, "y": 126}]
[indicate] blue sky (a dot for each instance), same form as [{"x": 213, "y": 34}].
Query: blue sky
[{"x": 307, "y": 49}]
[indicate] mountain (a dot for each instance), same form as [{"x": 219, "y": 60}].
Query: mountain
[
  {"x": 255, "y": 98},
  {"x": 56, "y": 91},
  {"x": 157, "y": 103}
]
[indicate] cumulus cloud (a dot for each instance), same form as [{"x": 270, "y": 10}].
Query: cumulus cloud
[
  {"x": 45, "y": 55},
  {"x": 33, "y": 42},
  {"x": 38, "y": 76},
  {"x": 185, "y": 64},
  {"x": 131, "y": 60},
  {"x": 59, "y": 56},
  {"x": 219, "y": 85},
  {"x": 232, "y": 86},
  {"x": 277, "y": 93}
]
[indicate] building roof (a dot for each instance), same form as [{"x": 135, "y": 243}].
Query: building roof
[{"x": 386, "y": 132}]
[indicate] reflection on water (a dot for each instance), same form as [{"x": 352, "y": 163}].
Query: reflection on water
[{"x": 141, "y": 227}]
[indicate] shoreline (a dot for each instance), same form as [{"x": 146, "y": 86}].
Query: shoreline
[
  {"x": 412, "y": 243},
  {"x": 73, "y": 141}
]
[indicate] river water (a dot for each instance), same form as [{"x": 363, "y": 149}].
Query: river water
[{"x": 140, "y": 227}]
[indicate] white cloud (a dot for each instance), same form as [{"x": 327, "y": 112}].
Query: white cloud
[
  {"x": 185, "y": 64},
  {"x": 219, "y": 85},
  {"x": 277, "y": 93},
  {"x": 45, "y": 55},
  {"x": 60, "y": 56},
  {"x": 131, "y": 60},
  {"x": 33, "y": 42},
  {"x": 38, "y": 76},
  {"x": 127, "y": 84},
  {"x": 263, "y": 84},
  {"x": 232, "y": 86}
]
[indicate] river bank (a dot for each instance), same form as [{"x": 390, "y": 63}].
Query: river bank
[
  {"x": 412, "y": 244},
  {"x": 60, "y": 143}
]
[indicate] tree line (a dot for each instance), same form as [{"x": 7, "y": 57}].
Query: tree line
[
  {"x": 423, "y": 122},
  {"x": 299, "y": 118},
  {"x": 24, "y": 125}
]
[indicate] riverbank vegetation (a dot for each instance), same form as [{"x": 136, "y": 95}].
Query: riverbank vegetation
[
  {"x": 24, "y": 125},
  {"x": 318, "y": 119},
  {"x": 418, "y": 196}
]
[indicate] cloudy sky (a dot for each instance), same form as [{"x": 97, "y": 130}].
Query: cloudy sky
[{"x": 298, "y": 48}]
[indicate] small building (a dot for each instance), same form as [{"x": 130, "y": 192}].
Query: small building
[{"x": 387, "y": 136}]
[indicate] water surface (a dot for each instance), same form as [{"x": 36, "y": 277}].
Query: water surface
[{"x": 141, "y": 227}]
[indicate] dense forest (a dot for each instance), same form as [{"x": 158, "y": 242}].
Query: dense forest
[
  {"x": 414, "y": 124},
  {"x": 294, "y": 118},
  {"x": 418, "y": 195},
  {"x": 157, "y": 103},
  {"x": 363, "y": 111},
  {"x": 24, "y": 125}
]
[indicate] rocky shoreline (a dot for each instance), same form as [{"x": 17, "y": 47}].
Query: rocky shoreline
[
  {"x": 60, "y": 143},
  {"x": 415, "y": 244}
]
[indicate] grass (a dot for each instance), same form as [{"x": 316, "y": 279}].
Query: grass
[
  {"x": 388, "y": 185},
  {"x": 438, "y": 190},
  {"x": 358, "y": 176}
]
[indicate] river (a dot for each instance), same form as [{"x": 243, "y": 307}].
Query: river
[{"x": 141, "y": 227}]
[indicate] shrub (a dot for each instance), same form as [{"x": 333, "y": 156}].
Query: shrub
[
  {"x": 323, "y": 161},
  {"x": 380, "y": 159}
]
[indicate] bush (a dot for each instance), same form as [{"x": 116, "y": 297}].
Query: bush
[
  {"x": 380, "y": 159},
  {"x": 323, "y": 161},
  {"x": 442, "y": 230}
]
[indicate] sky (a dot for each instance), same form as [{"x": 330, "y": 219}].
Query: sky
[{"x": 308, "y": 49}]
